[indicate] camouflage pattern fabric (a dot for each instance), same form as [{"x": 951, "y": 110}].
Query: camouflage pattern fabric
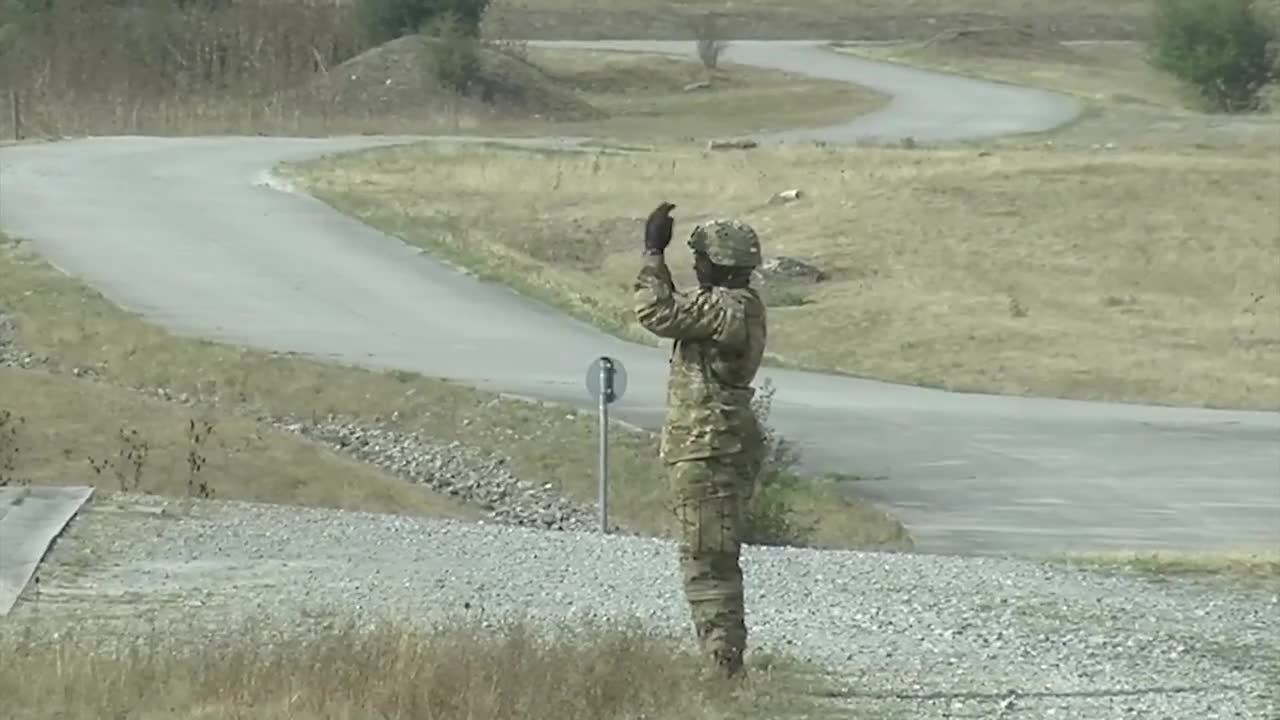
[
  {"x": 710, "y": 499},
  {"x": 711, "y": 440},
  {"x": 719, "y": 336}
]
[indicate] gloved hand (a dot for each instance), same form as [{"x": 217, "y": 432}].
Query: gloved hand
[{"x": 657, "y": 230}]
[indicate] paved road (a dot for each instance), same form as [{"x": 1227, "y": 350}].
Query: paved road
[
  {"x": 926, "y": 105},
  {"x": 188, "y": 232}
]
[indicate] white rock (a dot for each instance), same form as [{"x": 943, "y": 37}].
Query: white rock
[{"x": 732, "y": 144}]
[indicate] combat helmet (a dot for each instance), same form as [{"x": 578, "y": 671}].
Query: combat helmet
[{"x": 727, "y": 242}]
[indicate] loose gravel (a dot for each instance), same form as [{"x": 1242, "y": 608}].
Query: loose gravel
[
  {"x": 10, "y": 354},
  {"x": 463, "y": 472},
  {"x": 924, "y": 636}
]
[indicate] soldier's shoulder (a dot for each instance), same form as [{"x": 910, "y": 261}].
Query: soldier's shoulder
[
  {"x": 737, "y": 297},
  {"x": 694, "y": 294}
]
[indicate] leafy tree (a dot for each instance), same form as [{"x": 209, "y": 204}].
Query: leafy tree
[{"x": 1222, "y": 47}]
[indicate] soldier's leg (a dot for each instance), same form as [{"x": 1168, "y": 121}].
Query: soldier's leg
[{"x": 709, "y": 513}]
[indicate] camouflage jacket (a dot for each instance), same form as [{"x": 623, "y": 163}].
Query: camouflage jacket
[{"x": 719, "y": 337}]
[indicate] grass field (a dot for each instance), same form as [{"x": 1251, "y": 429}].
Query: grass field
[
  {"x": 388, "y": 671},
  {"x": 1112, "y": 276},
  {"x": 1257, "y": 567},
  {"x": 808, "y": 19},
  {"x": 1105, "y": 74},
  {"x": 70, "y": 422},
  {"x": 71, "y": 419}
]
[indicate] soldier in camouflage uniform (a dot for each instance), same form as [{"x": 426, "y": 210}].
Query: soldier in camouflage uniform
[{"x": 712, "y": 441}]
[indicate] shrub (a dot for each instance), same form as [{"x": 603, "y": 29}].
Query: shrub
[
  {"x": 1222, "y": 47},
  {"x": 385, "y": 20},
  {"x": 455, "y": 54},
  {"x": 771, "y": 518}
]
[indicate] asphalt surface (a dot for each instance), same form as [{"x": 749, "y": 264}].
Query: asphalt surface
[
  {"x": 194, "y": 234},
  {"x": 927, "y": 106}
]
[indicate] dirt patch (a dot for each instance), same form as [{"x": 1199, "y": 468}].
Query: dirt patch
[{"x": 399, "y": 77}]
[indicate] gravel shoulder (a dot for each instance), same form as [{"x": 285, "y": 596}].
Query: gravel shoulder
[{"x": 915, "y": 636}]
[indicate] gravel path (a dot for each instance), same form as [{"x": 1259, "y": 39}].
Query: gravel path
[{"x": 927, "y": 636}]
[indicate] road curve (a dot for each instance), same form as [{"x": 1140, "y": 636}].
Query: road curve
[
  {"x": 192, "y": 233},
  {"x": 925, "y": 105}
]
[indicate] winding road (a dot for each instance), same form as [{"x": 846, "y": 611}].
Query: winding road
[{"x": 195, "y": 234}]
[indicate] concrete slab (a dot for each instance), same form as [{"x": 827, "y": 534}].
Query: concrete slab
[{"x": 30, "y": 518}]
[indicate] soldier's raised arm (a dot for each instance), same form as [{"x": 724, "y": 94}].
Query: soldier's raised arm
[{"x": 658, "y": 307}]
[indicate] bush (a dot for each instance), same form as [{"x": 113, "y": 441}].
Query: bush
[
  {"x": 771, "y": 518},
  {"x": 455, "y": 55},
  {"x": 385, "y": 20},
  {"x": 1222, "y": 47}
]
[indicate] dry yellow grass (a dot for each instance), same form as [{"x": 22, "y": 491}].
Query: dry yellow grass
[
  {"x": 391, "y": 670},
  {"x": 58, "y": 317},
  {"x": 1145, "y": 277},
  {"x": 1259, "y": 565}
]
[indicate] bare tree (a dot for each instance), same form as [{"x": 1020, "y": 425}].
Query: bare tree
[{"x": 706, "y": 31}]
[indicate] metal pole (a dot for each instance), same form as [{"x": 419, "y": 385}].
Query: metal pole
[
  {"x": 16, "y": 106},
  {"x": 604, "y": 448}
]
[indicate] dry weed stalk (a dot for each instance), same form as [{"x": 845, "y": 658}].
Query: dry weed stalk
[
  {"x": 198, "y": 433},
  {"x": 129, "y": 463},
  {"x": 10, "y": 448}
]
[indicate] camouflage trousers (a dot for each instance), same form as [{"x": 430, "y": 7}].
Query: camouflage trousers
[{"x": 711, "y": 497}]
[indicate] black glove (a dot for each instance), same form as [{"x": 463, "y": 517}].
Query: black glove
[{"x": 657, "y": 230}]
